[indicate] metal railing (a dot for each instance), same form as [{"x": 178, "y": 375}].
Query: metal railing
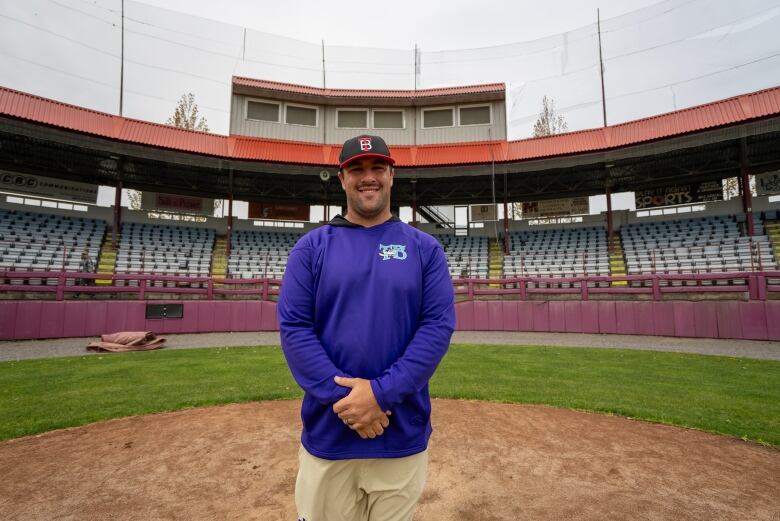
[{"x": 754, "y": 285}]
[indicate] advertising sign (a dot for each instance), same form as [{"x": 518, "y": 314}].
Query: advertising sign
[
  {"x": 483, "y": 212},
  {"x": 556, "y": 207},
  {"x": 282, "y": 212},
  {"x": 768, "y": 184},
  {"x": 177, "y": 203},
  {"x": 48, "y": 187},
  {"x": 679, "y": 194}
]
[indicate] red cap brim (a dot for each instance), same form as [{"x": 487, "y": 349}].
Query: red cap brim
[{"x": 363, "y": 156}]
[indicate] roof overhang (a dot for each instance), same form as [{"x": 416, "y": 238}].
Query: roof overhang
[{"x": 368, "y": 97}]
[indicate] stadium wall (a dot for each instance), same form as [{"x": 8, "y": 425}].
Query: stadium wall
[{"x": 21, "y": 320}]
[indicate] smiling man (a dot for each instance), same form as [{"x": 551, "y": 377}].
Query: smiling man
[{"x": 366, "y": 313}]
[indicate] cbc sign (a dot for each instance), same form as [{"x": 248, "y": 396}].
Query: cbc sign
[{"x": 11, "y": 181}]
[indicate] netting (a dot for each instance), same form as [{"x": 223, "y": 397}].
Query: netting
[{"x": 674, "y": 54}]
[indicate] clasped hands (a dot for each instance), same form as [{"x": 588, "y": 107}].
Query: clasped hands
[{"x": 359, "y": 410}]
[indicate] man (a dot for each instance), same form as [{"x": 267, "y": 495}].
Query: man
[
  {"x": 85, "y": 266},
  {"x": 366, "y": 314}
]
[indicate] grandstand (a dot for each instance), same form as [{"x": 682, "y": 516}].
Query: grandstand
[
  {"x": 558, "y": 252},
  {"x": 164, "y": 250},
  {"x": 466, "y": 256},
  {"x": 257, "y": 254},
  {"x": 699, "y": 245},
  {"x": 45, "y": 243},
  {"x": 563, "y": 270}
]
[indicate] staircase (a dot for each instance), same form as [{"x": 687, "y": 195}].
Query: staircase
[
  {"x": 617, "y": 262},
  {"x": 106, "y": 260},
  {"x": 495, "y": 261},
  {"x": 773, "y": 231},
  {"x": 219, "y": 260}
]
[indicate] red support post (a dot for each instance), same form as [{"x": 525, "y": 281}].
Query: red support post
[
  {"x": 229, "y": 223},
  {"x": 414, "y": 203},
  {"x": 747, "y": 196},
  {"x": 609, "y": 219},
  {"x": 117, "y": 214}
]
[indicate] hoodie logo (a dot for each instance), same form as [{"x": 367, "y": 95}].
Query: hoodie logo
[
  {"x": 392, "y": 251},
  {"x": 365, "y": 144}
]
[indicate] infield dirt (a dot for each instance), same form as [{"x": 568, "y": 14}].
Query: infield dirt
[{"x": 487, "y": 462}]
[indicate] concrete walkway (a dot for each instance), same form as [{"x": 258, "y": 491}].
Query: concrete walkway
[{"x": 27, "y": 349}]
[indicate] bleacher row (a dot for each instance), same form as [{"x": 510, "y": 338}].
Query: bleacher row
[{"x": 42, "y": 242}]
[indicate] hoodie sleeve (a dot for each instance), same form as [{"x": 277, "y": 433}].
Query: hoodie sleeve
[
  {"x": 410, "y": 373},
  {"x": 309, "y": 363}
]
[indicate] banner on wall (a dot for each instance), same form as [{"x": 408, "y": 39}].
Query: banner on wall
[
  {"x": 48, "y": 187},
  {"x": 281, "y": 212},
  {"x": 177, "y": 203},
  {"x": 483, "y": 212},
  {"x": 768, "y": 184},
  {"x": 556, "y": 207},
  {"x": 687, "y": 193}
]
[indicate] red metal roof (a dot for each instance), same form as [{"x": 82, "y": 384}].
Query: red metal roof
[
  {"x": 730, "y": 111},
  {"x": 366, "y": 93}
]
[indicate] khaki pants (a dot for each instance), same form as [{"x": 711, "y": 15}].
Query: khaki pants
[{"x": 382, "y": 489}]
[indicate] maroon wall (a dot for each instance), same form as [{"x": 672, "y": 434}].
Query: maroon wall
[
  {"x": 29, "y": 319},
  {"x": 759, "y": 320}
]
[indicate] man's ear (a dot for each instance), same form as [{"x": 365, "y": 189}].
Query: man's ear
[{"x": 341, "y": 179}]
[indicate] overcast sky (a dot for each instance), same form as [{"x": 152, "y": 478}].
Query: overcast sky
[
  {"x": 658, "y": 56},
  {"x": 400, "y": 24}
]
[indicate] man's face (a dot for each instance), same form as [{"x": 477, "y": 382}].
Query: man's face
[{"x": 367, "y": 183}]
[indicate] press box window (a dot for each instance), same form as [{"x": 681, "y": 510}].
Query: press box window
[
  {"x": 437, "y": 118},
  {"x": 262, "y": 111},
  {"x": 388, "y": 119},
  {"x": 296, "y": 115},
  {"x": 475, "y": 115},
  {"x": 352, "y": 119}
]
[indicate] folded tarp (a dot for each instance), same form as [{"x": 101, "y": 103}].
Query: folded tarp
[{"x": 127, "y": 341}]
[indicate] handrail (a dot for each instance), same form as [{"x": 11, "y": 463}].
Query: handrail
[{"x": 756, "y": 284}]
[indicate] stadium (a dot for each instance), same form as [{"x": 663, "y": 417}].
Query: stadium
[{"x": 611, "y": 360}]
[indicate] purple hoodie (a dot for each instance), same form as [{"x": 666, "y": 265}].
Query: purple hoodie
[{"x": 374, "y": 303}]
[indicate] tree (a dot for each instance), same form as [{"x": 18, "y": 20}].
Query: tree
[
  {"x": 548, "y": 122},
  {"x": 186, "y": 115}
]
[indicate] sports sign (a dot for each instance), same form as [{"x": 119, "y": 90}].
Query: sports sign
[
  {"x": 48, "y": 187},
  {"x": 556, "y": 207},
  {"x": 679, "y": 194}
]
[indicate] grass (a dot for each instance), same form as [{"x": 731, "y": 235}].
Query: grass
[{"x": 733, "y": 396}]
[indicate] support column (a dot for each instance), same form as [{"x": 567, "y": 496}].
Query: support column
[
  {"x": 506, "y": 217},
  {"x": 747, "y": 195},
  {"x": 230, "y": 215},
  {"x": 414, "y": 203},
  {"x": 117, "y": 214},
  {"x": 609, "y": 218},
  {"x": 326, "y": 211}
]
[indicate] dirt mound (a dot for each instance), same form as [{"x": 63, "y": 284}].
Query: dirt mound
[{"x": 487, "y": 462}]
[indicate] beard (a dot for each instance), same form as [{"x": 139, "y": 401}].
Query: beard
[{"x": 368, "y": 208}]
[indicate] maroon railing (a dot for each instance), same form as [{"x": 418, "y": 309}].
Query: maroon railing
[
  {"x": 140, "y": 284},
  {"x": 755, "y": 285}
]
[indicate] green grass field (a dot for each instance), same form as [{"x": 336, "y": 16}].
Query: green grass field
[{"x": 733, "y": 396}]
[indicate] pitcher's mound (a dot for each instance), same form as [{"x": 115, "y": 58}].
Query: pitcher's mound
[{"x": 487, "y": 462}]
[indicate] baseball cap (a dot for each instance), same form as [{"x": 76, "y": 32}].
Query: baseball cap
[{"x": 364, "y": 146}]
